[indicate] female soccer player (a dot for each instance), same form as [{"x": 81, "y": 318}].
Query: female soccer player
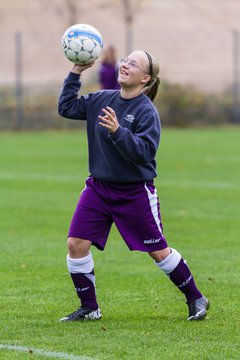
[{"x": 123, "y": 129}]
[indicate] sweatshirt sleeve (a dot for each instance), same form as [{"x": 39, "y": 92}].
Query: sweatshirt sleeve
[
  {"x": 69, "y": 105},
  {"x": 141, "y": 146}
]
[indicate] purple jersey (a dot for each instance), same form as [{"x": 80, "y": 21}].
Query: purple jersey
[{"x": 108, "y": 76}]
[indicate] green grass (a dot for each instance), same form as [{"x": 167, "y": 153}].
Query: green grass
[{"x": 144, "y": 315}]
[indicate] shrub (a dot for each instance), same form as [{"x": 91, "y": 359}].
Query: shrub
[
  {"x": 178, "y": 105},
  {"x": 184, "y": 105}
]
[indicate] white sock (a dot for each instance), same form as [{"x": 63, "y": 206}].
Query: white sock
[
  {"x": 83, "y": 265},
  {"x": 168, "y": 264}
]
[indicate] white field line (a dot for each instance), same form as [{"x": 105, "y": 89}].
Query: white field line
[
  {"x": 30, "y": 176},
  {"x": 48, "y": 354},
  {"x": 200, "y": 185},
  {"x": 170, "y": 183}
]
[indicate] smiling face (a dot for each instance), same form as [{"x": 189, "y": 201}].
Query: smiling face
[{"x": 134, "y": 71}]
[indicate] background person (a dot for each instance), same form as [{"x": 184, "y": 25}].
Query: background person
[
  {"x": 108, "y": 70},
  {"x": 123, "y": 137}
]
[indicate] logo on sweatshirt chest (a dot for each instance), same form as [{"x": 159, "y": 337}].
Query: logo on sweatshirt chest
[{"x": 130, "y": 118}]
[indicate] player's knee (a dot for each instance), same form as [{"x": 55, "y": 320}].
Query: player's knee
[
  {"x": 160, "y": 254},
  {"x": 71, "y": 243},
  {"x": 78, "y": 247}
]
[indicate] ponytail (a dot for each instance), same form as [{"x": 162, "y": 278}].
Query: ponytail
[{"x": 151, "y": 89}]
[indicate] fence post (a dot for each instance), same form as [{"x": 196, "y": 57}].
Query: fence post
[
  {"x": 18, "y": 80},
  {"x": 128, "y": 18},
  {"x": 236, "y": 78}
]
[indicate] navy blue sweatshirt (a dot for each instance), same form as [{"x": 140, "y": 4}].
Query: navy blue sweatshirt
[{"x": 128, "y": 155}]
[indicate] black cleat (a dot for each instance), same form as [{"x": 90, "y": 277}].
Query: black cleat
[
  {"x": 83, "y": 314},
  {"x": 198, "y": 308}
]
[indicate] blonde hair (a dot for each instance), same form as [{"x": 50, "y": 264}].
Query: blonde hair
[{"x": 151, "y": 89}]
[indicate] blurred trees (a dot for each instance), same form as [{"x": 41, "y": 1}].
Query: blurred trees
[
  {"x": 66, "y": 9},
  {"x": 129, "y": 10},
  {"x": 69, "y": 10}
]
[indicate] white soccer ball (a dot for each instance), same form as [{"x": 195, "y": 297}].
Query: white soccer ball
[{"x": 82, "y": 44}]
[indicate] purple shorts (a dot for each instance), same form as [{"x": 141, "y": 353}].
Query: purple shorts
[{"x": 134, "y": 208}]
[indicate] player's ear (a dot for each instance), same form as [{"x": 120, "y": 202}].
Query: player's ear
[{"x": 146, "y": 79}]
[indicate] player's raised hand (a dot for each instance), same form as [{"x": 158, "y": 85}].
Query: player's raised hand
[{"x": 78, "y": 69}]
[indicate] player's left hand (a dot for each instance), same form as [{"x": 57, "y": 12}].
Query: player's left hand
[{"x": 109, "y": 120}]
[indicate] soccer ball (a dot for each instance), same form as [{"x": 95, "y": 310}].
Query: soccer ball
[{"x": 82, "y": 44}]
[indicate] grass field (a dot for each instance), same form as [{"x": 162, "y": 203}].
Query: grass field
[{"x": 144, "y": 315}]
